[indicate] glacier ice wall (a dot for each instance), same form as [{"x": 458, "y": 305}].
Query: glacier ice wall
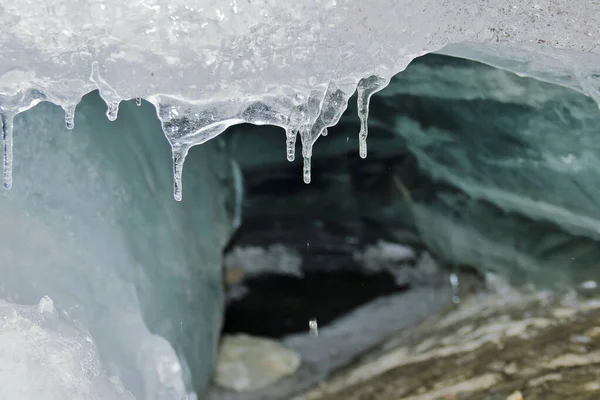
[
  {"x": 501, "y": 172},
  {"x": 92, "y": 224},
  {"x": 204, "y": 65}
]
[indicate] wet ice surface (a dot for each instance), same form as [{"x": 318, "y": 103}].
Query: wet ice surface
[{"x": 43, "y": 355}]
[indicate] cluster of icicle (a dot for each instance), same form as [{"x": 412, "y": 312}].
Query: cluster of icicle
[{"x": 185, "y": 126}]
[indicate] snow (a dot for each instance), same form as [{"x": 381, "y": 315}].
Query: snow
[
  {"x": 37, "y": 341},
  {"x": 208, "y": 64}
]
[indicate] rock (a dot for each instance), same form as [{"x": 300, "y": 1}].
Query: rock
[
  {"x": 247, "y": 363},
  {"x": 483, "y": 350},
  {"x": 515, "y": 396}
]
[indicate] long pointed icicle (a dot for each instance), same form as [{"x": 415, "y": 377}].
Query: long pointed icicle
[
  {"x": 7, "y": 140},
  {"x": 366, "y": 88},
  {"x": 290, "y": 144},
  {"x": 179, "y": 154}
]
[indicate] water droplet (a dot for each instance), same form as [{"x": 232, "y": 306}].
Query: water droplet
[
  {"x": 313, "y": 327},
  {"x": 7, "y": 140},
  {"x": 69, "y": 116},
  {"x": 138, "y": 101},
  {"x": 455, "y": 288}
]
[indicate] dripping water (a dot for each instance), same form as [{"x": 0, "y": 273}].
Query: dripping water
[
  {"x": 455, "y": 288},
  {"x": 7, "y": 140},
  {"x": 366, "y": 88},
  {"x": 313, "y": 327},
  {"x": 69, "y": 117}
]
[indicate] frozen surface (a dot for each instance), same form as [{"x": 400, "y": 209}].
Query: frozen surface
[
  {"x": 209, "y": 64},
  {"x": 43, "y": 355}
]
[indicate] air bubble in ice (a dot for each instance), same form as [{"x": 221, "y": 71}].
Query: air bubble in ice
[
  {"x": 7, "y": 141},
  {"x": 313, "y": 327}
]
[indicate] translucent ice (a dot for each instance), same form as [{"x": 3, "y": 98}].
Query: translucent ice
[
  {"x": 94, "y": 227},
  {"x": 217, "y": 64},
  {"x": 205, "y": 65},
  {"x": 366, "y": 88}
]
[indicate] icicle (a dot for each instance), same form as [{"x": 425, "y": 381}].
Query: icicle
[
  {"x": 306, "y": 170},
  {"x": 179, "y": 154},
  {"x": 69, "y": 117},
  {"x": 366, "y": 88},
  {"x": 108, "y": 94},
  {"x": 307, "y": 142},
  {"x": 112, "y": 111},
  {"x": 324, "y": 132},
  {"x": 7, "y": 140},
  {"x": 290, "y": 144},
  {"x": 138, "y": 101}
]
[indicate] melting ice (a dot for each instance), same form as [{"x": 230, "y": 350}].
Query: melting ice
[{"x": 290, "y": 63}]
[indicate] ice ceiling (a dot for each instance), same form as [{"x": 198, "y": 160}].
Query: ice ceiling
[{"x": 209, "y": 64}]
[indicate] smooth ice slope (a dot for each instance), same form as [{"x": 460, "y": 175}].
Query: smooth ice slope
[{"x": 208, "y": 64}]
